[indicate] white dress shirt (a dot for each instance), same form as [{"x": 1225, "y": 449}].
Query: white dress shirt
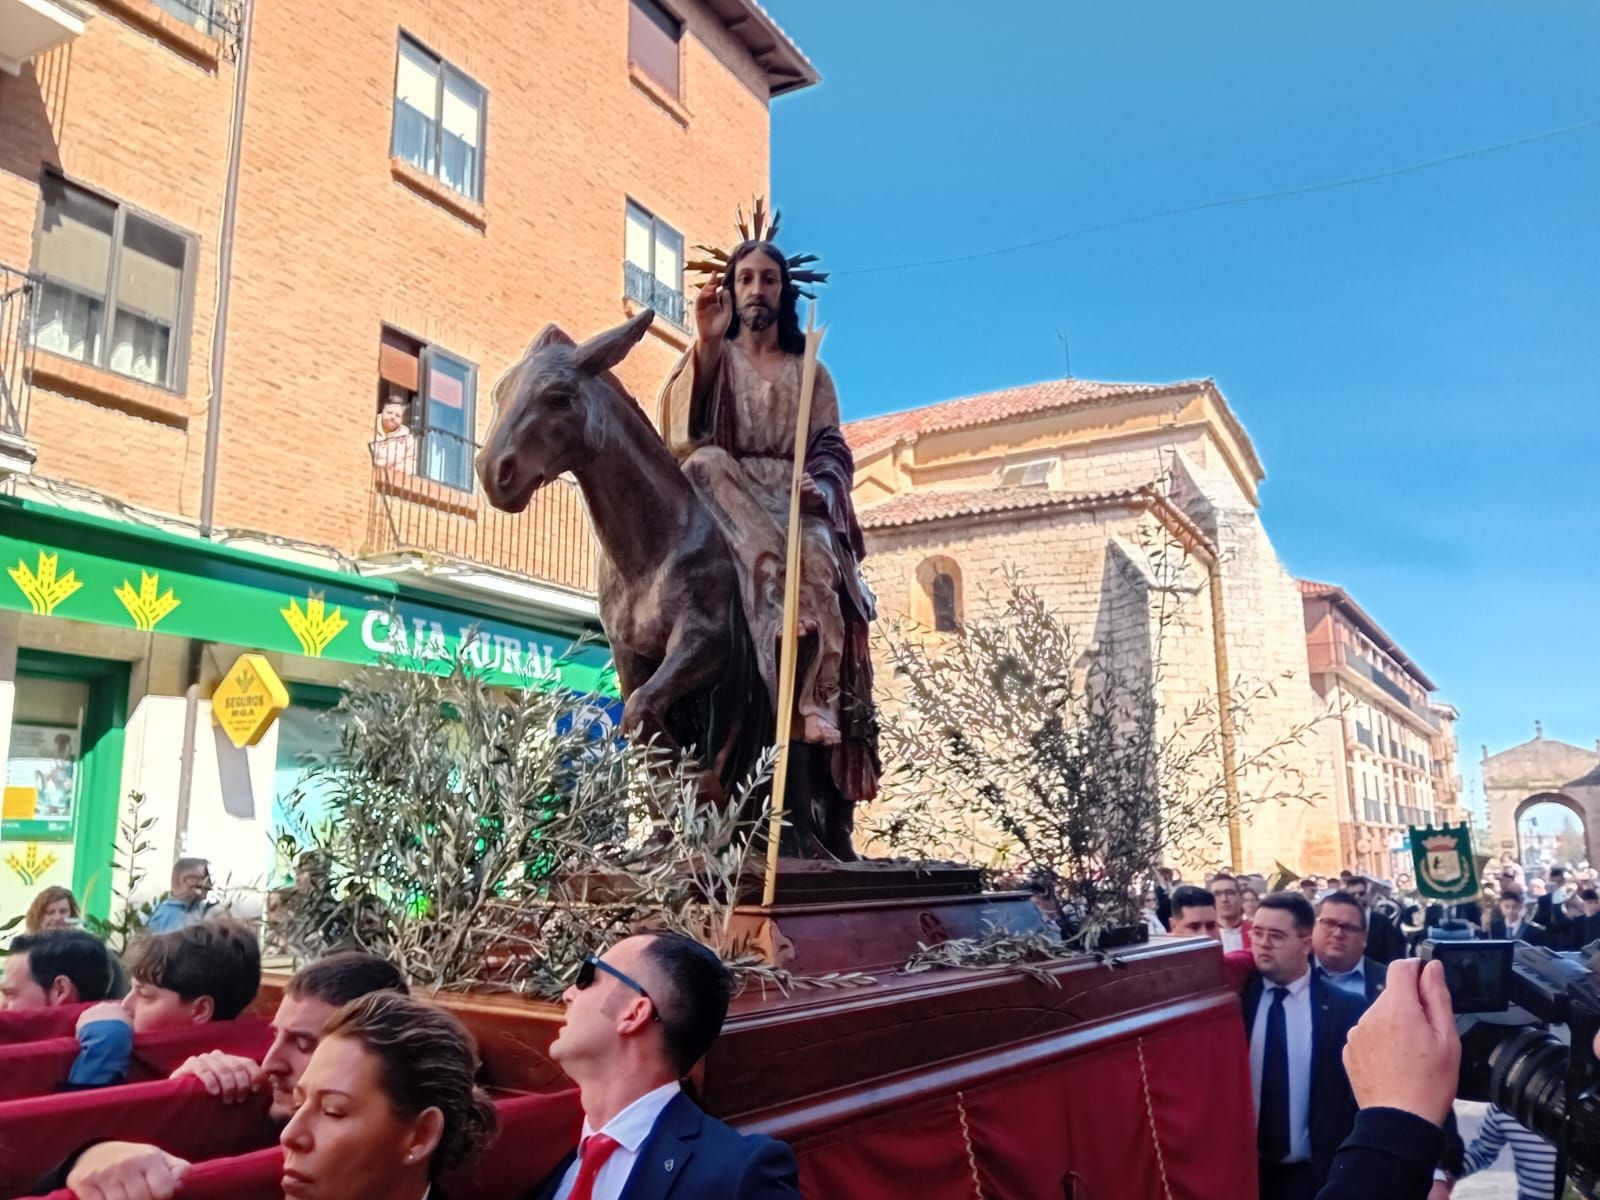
[
  {"x": 629, "y": 1128},
  {"x": 1297, "y": 1027},
  {"x": 1353, "y": 982},
  {"x": 1232, "y": 939}
]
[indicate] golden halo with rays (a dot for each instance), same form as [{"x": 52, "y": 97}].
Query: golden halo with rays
[{"x": 757, "y": 229}]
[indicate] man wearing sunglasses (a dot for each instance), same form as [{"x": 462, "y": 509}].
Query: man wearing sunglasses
[{"x": 638, "y": 1019}]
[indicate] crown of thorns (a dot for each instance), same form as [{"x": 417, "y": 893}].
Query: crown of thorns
[{"x": 757, "y": 229}]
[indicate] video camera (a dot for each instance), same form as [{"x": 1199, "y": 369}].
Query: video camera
[{"x": 1548, "y": 1083}]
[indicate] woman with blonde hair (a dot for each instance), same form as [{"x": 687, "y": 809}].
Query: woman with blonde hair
[
  {"x": 386, "y": 1104},
  {"x": 53, "y": 908}
]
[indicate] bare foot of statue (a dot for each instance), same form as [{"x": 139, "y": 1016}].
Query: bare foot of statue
[{"x": 821, "y": 731}]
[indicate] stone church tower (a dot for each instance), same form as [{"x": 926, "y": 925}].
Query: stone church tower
[{"x": 1089, "y": 488}]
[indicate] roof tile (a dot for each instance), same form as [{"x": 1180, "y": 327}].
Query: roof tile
[
  {"x": 911, "y": 508},
  {"x": 874, "y": 433}
]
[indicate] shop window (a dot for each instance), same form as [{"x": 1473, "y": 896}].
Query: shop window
[
  {"x": 439, "y": 119},
  {"x": 653, "y": 38},
  {"x": 114, "y": 285},
  {"x": 41, "y": 780},
  {"x": 434, "y": 394}
]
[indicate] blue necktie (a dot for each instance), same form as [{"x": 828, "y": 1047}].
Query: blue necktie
[{"x": 1272, "y": 1132}]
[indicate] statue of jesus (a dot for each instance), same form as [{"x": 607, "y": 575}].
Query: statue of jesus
[{"x": 729, "y": 412}]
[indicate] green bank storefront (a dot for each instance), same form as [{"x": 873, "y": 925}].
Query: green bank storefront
[{"x": 104, "y": 625}]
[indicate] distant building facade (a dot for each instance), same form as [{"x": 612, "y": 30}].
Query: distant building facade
[{"x": 1392, "y": 746}]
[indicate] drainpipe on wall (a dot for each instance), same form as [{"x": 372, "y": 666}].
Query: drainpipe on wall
[
  {"x": 208, "y": 478},
  {"x": 1192, "y": 540}
]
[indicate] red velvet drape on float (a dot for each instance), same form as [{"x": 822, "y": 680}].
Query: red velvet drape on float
[
  {"x": 536, "y": 1133},
  {"x": 29, "y": 1025},
  {"x": 1164, "y": 1115},
  {"x": 39, "y": 1133},
  {"x": 39, "y": 1068}
]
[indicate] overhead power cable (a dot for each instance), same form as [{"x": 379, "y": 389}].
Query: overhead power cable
[{"x": 1202, "y": 206}]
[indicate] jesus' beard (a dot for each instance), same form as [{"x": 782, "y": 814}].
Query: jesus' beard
[{"x": 757, "y": 316}]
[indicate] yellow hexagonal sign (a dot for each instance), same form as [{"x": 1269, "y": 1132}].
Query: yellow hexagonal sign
[{"x": 248, "y": 700}]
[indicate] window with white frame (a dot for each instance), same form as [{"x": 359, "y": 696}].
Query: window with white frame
[
  {"x": 439, "y": 392},
  {"x": 115, "y": 285},
  {"x": 652, "y": 264},
  {"x": 438, "y": 119}
]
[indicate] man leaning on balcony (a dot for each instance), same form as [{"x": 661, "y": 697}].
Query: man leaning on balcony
[{"x": 395, "y": 447}]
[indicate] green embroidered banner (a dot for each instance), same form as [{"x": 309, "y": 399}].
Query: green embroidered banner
[
  {"x": 189, "y": 591},
  {"x": 1445, "y": 868}
]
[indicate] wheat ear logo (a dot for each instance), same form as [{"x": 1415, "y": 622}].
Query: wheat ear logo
[
  {"x": 315, "y": 627},
  {"x": 31, "y": 867},
  {"x": 42, "y": 587},
  {"x": 146, "y": 606}
]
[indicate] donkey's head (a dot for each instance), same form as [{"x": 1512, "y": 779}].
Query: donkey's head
[{"x": 551, "y": 409}]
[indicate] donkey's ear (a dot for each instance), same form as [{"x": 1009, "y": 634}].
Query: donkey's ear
[
  {"x": 550, "y": 335},
  {"x": 605, "y": 350}
]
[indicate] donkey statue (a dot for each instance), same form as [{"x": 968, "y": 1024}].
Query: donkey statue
[{"x": 668, "y": 587}]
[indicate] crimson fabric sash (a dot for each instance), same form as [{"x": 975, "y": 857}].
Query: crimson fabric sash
[
  {"x": 30, "y": 1025},
  {"x": 38, "y": 1068},
  {"x": 40, "y": 1133}
]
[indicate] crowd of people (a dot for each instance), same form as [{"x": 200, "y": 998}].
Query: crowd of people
[
  {"x": 1321, "y": 950},
  {"x": 1352, "y": 1050},
  {"x": 374, "y": 1091}
]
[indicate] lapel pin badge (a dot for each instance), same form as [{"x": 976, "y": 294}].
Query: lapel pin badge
[{"x": 668, "y": 1163}]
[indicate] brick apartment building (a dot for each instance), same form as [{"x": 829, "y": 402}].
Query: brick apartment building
[
  {"x": 228, "y": 232},
  {"x": 1393, "y": 747}
]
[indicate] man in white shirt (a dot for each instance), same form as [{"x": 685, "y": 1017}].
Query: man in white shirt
[
  {"x": 1339, "y": 947},
  {"x": 1233, "y": 929},
  {"x": 638, "y": 1019},
  {"x": 1297, "y": 1026}
]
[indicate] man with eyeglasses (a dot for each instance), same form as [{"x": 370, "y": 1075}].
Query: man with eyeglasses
[
  {"x": 1296, "y": 1023},
  {"x": 1232, "y": 929},
  {"x": 1339, "y": 944},
  {"x": 638, "y": 1019}
]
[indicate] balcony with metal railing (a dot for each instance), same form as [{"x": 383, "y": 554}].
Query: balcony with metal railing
[
  {"x": 426, "y": 501},
  {"x": 17, "y": 291},
  {"x": 646, "y": 289}
]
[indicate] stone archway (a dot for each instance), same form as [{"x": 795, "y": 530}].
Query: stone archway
[
  {"x": 1542, "y": 770},
  {"x": 1564, "y": 801}
]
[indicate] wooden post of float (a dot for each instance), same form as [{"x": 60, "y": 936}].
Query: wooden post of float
[{"x": 788, "y": 651}]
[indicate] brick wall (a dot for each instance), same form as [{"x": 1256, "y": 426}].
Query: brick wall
[{"x": 331, "y": 245}]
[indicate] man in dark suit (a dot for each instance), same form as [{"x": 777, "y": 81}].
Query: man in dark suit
[
  {"x": 1590, "y": 899},
  {"x": 638, "y": 1018},
  {"x": 1547, "y": 908},
  {"x": 1339, "y": 944},
  {"x": 1510, "y": 923},
  {"x": 1550, "y": 911},
  {"x": 1385, "y": 942},
  {"x": 1296, "y": 1024}
]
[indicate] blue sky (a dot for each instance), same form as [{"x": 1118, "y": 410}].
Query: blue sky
[{"x": 1417, "y": 358}]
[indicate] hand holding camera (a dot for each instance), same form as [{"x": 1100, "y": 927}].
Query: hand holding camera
[{"x": 1404, "y": 1053}]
